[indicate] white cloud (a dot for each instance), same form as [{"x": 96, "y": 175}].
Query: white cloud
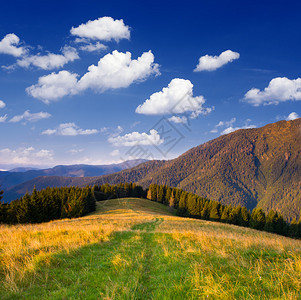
[
  {"x": 111, "y": 131},
  {"x": 232, "y": 129},
  {"x": 116, "y": 70},
  {"x": 69, "y": 129},
  {"x": 280, "y": 89},
  {"x": 49, "y": 61},
  {"x": 177, "y": 98},
  {"x": 230, "y": 126},
  {"x": 211, "y": 63},
  {"x": 2, "y": 104},
  {"x": 23, "y": 156},
  {"x": 115, "y": 153},
  {"x": 177, "y": 119},
  {"x": 76, "y": 151},
  {"x": 226, "y": 123},
  {"x": 9, "y": 45},
  {"x": 93, "y": 47},
  {"x": 292, "y": 116},
  {"x": 27, "y": 116},
  {"x": 136, "y": 138},
  {"x": 54, "y": 86},
  {"x": 3, "y": 118},
  {"x": 105, "y": 29}
]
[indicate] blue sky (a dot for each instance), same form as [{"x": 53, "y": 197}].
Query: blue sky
[{"x": 97, "y": 82}]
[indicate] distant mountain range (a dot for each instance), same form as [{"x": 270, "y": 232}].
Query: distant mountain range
[
  {"x": 250, "y": 167},
  {"x": 19, "y": 180}
]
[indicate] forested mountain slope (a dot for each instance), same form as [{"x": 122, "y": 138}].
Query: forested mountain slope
[{"x": 250, "y": 167}]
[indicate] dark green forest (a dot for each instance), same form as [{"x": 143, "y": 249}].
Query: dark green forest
[{"x": 72, "y": 202}]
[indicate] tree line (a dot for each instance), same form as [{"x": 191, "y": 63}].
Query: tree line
[
  {"x": 191, "y": 205},
  {"x": 49, "y": 204},
  {"x": 72, "y": 202}
]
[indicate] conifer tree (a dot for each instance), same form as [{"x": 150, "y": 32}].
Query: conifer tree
[{"x": 257, "y": 220}]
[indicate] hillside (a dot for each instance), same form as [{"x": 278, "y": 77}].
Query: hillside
[
  {"x": 250, "y": 167},
  {"x": 136, "y": 249}
]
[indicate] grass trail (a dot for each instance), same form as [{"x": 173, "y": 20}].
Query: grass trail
[{"x": 147, "y": 253}]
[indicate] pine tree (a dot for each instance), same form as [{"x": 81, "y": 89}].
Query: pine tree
[
  {"x": 214, "y": 212},
  {"x": 257, "y": 219},
  {"x": 244, "y": 217}
]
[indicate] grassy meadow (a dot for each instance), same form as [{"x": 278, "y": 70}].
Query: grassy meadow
[{"x": 137, "y": 249}]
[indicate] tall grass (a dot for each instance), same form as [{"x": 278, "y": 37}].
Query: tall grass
[{"x": 136, "y": 249}]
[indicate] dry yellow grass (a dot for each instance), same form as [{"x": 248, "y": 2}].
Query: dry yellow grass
[{"x": 218, "y": 254}]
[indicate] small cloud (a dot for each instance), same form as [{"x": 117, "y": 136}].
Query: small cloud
[
  {"x": 211, "y": 63},
  {"x": 136, "y": 138},
  {"x": 93, "y": 47},
  {"x": 292, "y": 116},
  {"x": 104, "y": 29},
  {"x": 3, "y": 118},
  {"x": 115, "y": 153},
  {"x": 75, "y": 151},
  {"x": 226, "y": 123},
  {"x": 69, "y": 129},
  {"x": 280, "y": 89},
  {"x": 10, "y": 45},
  {"x": 176, "y": 119},
  {"x": 230, "y": 128},
  {"x": 110, "y": 131},
  {"x": 27, "y": 116},
  {"x": 135, "y": 124},
  {"x": 2, "y": 104}
]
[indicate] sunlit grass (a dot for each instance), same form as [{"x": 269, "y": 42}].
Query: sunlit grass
[{"x": 136, "y": 249}]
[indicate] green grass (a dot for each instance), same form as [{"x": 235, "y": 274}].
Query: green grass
[{"x": 151, "y": 254}]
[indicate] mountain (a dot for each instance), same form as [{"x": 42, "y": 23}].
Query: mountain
[
  {"x": 12, "y": 182},
  {"x": 250, "y": 167}
]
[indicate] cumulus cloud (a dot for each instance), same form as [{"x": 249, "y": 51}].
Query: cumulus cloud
[
  {"x": 280, "y": 89},
  {"x": 177, "y": 98},
  {"x": 10, "y": 45},
  {"x": 49, "y": 61},
  {"x": 2, "y": 104},
  {"x": 292, "y": 116},
  {"x": 69, "y": 129},
  {"x": 54, "y": 86},
  {"x": 178, "y": 120},
  {"x": 211, "y": 63},
  {"x": 27, "y": 116},
  {"x": 3, "y": 118},
  {"x": 116, "y": 70},
  {"x": 105, "y": 29},
  {"x": 23, "y": 156},
  {"x": 136, "y": 138}
]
